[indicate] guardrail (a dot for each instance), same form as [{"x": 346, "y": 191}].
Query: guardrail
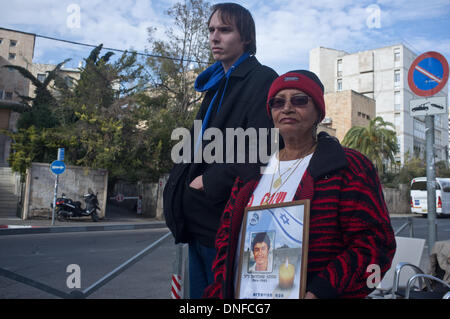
[
  {"x": 76, "y": 294},
  {"x": 410, "y": 224}
]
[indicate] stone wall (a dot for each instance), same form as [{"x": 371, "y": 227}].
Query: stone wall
[
  {"x": 397, "y": 199},
  {"x": 151, "y": 194},
  {"x": 74, "y": 182},
  {"x": 147, "y": 191}
]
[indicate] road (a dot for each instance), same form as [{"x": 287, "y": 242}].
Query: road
[
  {"x": 45, "y": 257},
  {"x": 421, "y": 227}
]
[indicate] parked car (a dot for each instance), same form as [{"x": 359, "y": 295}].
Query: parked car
[{"x": 419, "y": 204}]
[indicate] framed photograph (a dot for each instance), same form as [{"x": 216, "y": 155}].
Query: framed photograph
[{"x": 274, "y": 252}]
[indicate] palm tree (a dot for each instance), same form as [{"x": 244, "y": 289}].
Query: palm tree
[{"x": 377, "y": 141}]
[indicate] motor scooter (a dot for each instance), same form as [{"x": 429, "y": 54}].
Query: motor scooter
[{"x": 66, "y": 208}]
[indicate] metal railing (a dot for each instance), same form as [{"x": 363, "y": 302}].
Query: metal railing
[
  {"x": 76, "y": 294},
  {"x": 409, "y": 223}
]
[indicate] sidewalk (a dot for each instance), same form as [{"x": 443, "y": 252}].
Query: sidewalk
[{"x": 116, "y": 219}]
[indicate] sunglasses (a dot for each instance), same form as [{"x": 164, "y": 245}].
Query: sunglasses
[{"x": 296, "y": 100}]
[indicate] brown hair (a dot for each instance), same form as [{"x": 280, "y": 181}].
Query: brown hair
[{"x": 235, "y": 14}]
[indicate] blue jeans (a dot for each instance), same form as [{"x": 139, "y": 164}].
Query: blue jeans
[{"x": 200, "y": 264}]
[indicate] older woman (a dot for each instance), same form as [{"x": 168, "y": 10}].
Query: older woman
[{"x": 349, "y": 223}]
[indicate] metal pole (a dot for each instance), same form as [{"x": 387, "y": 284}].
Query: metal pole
[
  {"x": 411, "y": 227},
  {"x": 180, "y": 289},
  {"x": 54, "y": 199},
  {"x": 431, "y": 181}
]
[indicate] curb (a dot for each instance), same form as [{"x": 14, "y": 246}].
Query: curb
[
  {"x": 16, "y": 226},
  {"x": 22, "y": 230}
]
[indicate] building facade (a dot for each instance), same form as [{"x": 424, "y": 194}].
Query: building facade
[
  {"x": 382, "y": 74},
  {"x": 345, "y": 109},
  {"x": 16, "y": 48},
  {"x": 40, "y": 71}
]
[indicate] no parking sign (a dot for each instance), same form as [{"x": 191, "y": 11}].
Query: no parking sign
[{"x": 428, "y": 74}]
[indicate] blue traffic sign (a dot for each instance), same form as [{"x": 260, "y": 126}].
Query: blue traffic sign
[
  {"x": 58, "y": 167},
  {"x": 428, "y": 74},
  {"x": 60, "y": 154}
]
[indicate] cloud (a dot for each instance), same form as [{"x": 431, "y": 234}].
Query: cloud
[
  {"x": 120, "y": 24},
  {"x": 286, "y": 30},
  {"x": 413, "y": 10},
  {"x": 287, "y": 33}
]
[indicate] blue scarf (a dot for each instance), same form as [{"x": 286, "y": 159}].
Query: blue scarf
[{"x": 210, "y": 80}]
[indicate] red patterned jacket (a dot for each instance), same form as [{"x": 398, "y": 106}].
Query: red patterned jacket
[{"x": 350, "y": 227}]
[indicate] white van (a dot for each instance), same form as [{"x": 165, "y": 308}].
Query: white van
[{"x": 419, "y": 196}]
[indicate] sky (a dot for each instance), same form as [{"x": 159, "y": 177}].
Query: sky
[{"x": 285, "y": 30}]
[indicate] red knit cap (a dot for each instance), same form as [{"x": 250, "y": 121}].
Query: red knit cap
[{"x": 304, "y": 81}]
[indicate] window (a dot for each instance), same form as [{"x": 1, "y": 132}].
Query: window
[
  {"x": 397, "y": 121},
  {"x": 41, "y": 77},
  {"x": 364, "y": 115},
  {"x": 397, "y": 55},
  {"x": 339, "y": 84},
  {"x": 437, "y": 120},
  {"x": 1, "y": 40},
  {"x": 445, "y": 187},
  {"x": 12, "y": 56},
  {"x": 419, "y": 129},
  {"x": 422, "y": 186},
  {"x": 417, "y": 150},
  {"x": 437, "y": 137},
  {"x": 1, "y": 94},
  {"x": 419, "y": 186},
  {"x": 12, "y": 43},
  {"x": 397, "y": 78},
  {"x": 8, "y": 95},
  {"x": 397, "y": 101},
  {"x": 339, "y": 67}
]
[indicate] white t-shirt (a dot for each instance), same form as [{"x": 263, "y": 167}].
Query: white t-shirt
[{"x": 291, "y": 175}]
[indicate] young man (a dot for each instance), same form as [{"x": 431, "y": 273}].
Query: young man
[
  {"x": 236, "y": 90},
  {"x": 261, "y": 249}
]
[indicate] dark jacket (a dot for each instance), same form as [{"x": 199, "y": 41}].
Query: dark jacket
[
  {"x": 349, "y": 228},
  {"x": 191, "y": 213}
]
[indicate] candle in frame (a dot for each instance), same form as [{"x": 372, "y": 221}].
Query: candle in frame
[{"x": 286, "y": 275}]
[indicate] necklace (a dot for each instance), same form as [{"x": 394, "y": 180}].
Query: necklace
[{"x": 278, "y": 182}]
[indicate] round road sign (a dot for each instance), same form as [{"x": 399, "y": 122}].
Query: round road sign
[
  {"x": 428, "y": 74},
  {"x": 58, "y": 167},
  {"x": 120, "y": 198}
]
